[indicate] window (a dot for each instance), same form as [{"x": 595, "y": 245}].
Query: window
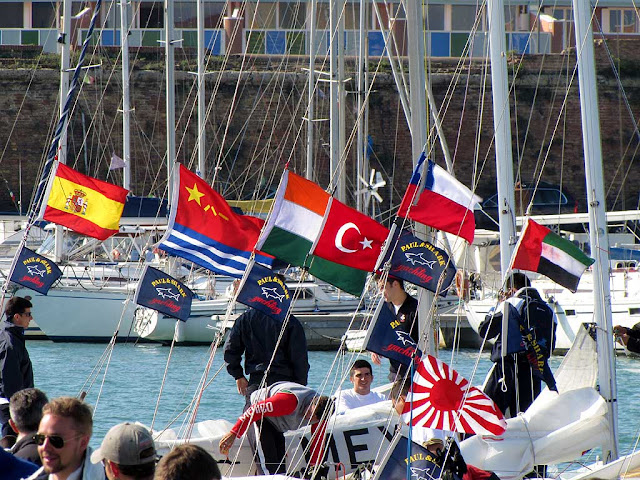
[
  {"x": 351, "y": 16},
  {"x": 213, "y": 14},
  {"x": 261, "y": 15},
  {"x": 185, "y": 15},
  {"x": 11, "y": 15},
  {"x": 151, "y": 15},
  {"x": 322, "y": 16},
  {"x": 112, "y": 16},
  {"x": 434, "y": 17},
  {"x": 623, "y": 21},
  {"x": 43, "y": 15},
  {"x": 292, "y": 15},
  {"x": 463, "y": 17}
]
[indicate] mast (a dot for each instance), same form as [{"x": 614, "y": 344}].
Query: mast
[
  {"x": 502, "y": 128},
  {"x": 310, "y": 89},
  {"x": 363, "y": 110},
  {"x": 336, "y": 89},
  {"x": 170, "y": 95},
  {"x": 201, "y": 106},
  {"x": 64, "y": 39},
  {"x": 598, "y": 235},
  {"x": 126, "y": 107}
]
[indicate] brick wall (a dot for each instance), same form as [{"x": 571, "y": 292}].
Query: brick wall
[{"x": 266, "y": 128}]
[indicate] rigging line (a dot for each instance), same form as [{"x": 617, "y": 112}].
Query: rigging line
[{"x": 164, "y": 379}]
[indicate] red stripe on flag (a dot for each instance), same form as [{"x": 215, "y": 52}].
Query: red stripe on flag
[
  {"x": 529, "y": 250},
  {"x": 109, "y": 190},
  {"x": 77, "y": 224},
  {"x": 437, "y": 211}
]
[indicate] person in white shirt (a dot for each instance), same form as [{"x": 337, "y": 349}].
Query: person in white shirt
[{"x": 361, "y": 375}]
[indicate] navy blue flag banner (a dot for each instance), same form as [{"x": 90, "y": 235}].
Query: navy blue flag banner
[
  {"x": 521, "y": 338},
  {"x": 384, "y": 340},
  {"x": 418, "y": 262},
  {"x": 35, "y": 271},
  {"x": 265, "y": 291},
  {"x": 419, "y": 463},
  {"x": 163, "y": 293}
]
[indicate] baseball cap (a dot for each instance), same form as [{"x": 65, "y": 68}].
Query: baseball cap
[{"x": 126, "y": 444}]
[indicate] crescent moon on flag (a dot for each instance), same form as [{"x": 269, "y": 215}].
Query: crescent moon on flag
[{"x": 343, "y": 229}]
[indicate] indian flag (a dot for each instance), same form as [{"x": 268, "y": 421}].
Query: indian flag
[
  {"x": 542, "y": 251},
  {"x": 293, "y": 227}
]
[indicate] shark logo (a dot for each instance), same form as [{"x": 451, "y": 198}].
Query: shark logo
[
  {"x": 272, "y": 293},
  {"x": 419, "y": 259},
  {"x": 35, "y": 270},
  {"x": 421, "y": 474},
  {"x": 167, "y": 293},
  {"x": 405, "y": 338}
]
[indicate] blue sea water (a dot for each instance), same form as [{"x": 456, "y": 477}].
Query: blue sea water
[{"x": 133, "y": 388}]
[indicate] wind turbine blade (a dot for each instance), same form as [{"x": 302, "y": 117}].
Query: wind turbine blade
[
  {"x": 377, "y": 196},
  {"x": 372, "y": 176},
  {"x": 379, "y": 184},
  {"x": 364, "y": 182}
]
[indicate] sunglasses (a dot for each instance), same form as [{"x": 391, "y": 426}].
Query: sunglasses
[{"x": 56, "y": 441}]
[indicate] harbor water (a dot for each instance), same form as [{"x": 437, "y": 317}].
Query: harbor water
[{"x": 138, "y": 385}]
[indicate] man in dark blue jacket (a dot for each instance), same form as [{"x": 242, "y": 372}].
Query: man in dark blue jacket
[
  {"x": 16, "y": 372},
  {"x": 256, "y": 336},
  {"x": 512, "y": 384}
]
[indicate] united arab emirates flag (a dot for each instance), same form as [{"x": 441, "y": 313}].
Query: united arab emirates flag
[{"x": 542, "y": 251}]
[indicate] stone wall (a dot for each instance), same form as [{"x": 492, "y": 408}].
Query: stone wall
[{"x": 251, "y": 138}]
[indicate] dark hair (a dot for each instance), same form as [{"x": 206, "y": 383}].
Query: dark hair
[
  {"x": 25, "y": 407},
  {"x": 146, "y": 470},
  {"x": 187, "y": 462},
  {"x": 324, "y": 407},
  {"x": 73, "y": 408},
  {"x": 361, "y": 363},
  {"x": 390, "y": 278},
  {"x": 400, "y": 388},
  {"x": 16, "y": 305},
  {"x": 518, "y": 280}
]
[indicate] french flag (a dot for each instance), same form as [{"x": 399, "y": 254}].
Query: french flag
[{"x": 444, "y": 203}]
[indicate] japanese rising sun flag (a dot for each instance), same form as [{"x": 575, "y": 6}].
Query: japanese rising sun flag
[
  {"x": 542, "y": 251},
  {"x": 84, "y": 204},
  {"x": 441, "y": 398},
  {"x": 294, "y": 226},
  {"x": 204, "y": 229},
  {"x": 444, "y": 203}
]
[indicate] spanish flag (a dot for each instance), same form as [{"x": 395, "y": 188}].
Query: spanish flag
[{"x": 84, "y": 204}]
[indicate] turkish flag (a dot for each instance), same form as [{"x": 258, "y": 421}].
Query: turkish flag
[{"x": 350, "y": 238}]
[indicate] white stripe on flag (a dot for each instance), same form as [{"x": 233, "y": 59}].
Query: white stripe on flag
[
  {"x": 446, "y": 185},
  {"x": 299, "y": 220},
  {"x": 561, "y": 258},
  {"x": 221, "y": 267}
]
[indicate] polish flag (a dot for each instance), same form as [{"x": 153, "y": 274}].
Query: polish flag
[{"x": 444, "y": 203}]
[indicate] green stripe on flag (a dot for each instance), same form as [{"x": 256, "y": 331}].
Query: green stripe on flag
[
  {"x": 287, "y": 246},
  {"x": 347, "y": 279},
  {"x": 569, "y": 248}
]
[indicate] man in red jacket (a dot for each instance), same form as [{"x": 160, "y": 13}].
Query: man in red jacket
[{"x": 284, "y": 406}]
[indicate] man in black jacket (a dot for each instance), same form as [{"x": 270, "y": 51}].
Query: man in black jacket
[
  {"x": 16, "y": 372},
  {"x": 256, "y": 336},
  {"x": 26, "y": 412},
  {"x": 512, "y": 384},
  {"x": 629, "y": 337}
]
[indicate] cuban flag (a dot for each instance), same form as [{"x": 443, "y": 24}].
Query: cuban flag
[
  {"x": 35, "y": 271},
  {"x": 444, "y": 203},
  {"x": 384, "y": 340},
  {"x": 163, "y": 293},
  {"x": 418, "y": 262},
  {"x": 204, "y": 229},
  {"x": 265, "y": 291}
]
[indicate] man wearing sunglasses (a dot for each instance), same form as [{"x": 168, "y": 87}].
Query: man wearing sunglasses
[
  {"x": 16, "y": 372},
  {"x": 63, "y": 442}
]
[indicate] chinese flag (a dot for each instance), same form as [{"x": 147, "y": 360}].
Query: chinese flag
[
  {"x": 85, "y": 205},
  {"x": 350, "y": 238}
]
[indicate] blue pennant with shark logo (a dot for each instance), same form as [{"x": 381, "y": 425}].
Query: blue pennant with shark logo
[
  {"x": 163, "y": 293},
  {"x": 420, "y": 463},
  {"x": 265, "y": 291},
  {"x": 35, "y": 271},
  {"x": 418, "y": 262},
  {"x": 384, "y": 339}
]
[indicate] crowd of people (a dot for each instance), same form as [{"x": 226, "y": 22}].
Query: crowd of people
[{"x": 49, "y": 439}]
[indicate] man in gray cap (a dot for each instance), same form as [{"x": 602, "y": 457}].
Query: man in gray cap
[{"x": 128, "y": 452}]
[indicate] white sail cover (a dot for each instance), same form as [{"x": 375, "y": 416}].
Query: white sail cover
[{"x": 557, "y": 427}]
